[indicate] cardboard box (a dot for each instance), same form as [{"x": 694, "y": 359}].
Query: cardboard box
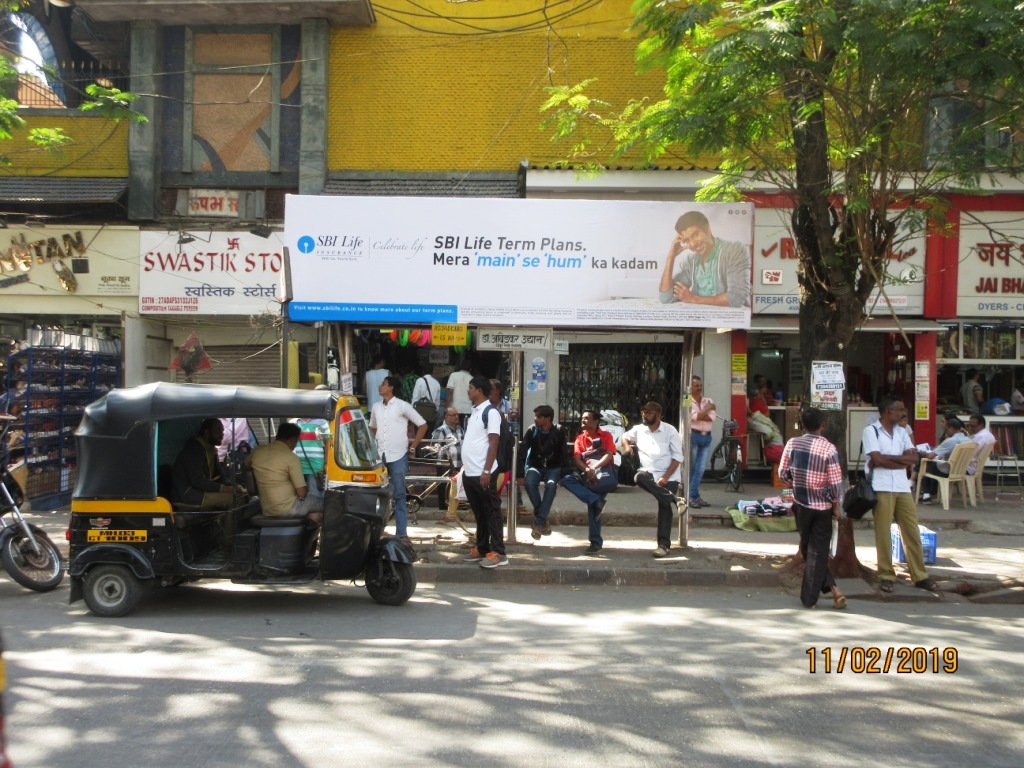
[{"x": 928, "y": 544}]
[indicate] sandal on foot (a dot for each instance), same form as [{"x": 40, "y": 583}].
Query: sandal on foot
[
  {"x": 887, "y": 586},
  {"x": 840, "y": 602},
  {"x": 928, "y": 584}
]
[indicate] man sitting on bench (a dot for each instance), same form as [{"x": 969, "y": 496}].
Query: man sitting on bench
[
  {"x": 279, "y": 479},
  {"x": 197, "y": 475}
]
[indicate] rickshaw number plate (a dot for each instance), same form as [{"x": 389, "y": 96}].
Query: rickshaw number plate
[{"x": 116, "y": 536}]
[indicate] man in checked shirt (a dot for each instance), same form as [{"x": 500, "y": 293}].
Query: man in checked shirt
[{"x": 810, "y": 466}]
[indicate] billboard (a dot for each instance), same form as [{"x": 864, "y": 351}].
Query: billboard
[{"x": 562, "y": 263}]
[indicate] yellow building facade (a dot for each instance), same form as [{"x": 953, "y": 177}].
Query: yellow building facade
[{"x": 441, "y": 86}]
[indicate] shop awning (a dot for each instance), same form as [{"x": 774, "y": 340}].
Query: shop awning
[
  {"x": 791, "y": 324},
  {"x": 61, "y": 190}
]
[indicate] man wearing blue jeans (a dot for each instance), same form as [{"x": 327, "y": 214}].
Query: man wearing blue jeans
[
  {"x": 660, "y": 450},
  {"x": 702, "y": 419},
  {"x": 541, "y": 455},
  {"x": 594, "y": 457},
  {"x": 389, "y": 423}
]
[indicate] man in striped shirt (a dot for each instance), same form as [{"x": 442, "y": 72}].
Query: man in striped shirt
[{"x": 810, "y": 466}]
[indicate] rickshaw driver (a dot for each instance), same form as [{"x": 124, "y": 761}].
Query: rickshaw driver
[
  {"x": 197, "y": 473},
  {"x": 282, "y": 486}
]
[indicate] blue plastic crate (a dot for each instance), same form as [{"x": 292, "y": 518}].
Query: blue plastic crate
[{"x": 928, "y": 544}]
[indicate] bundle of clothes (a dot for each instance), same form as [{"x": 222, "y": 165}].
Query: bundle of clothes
[{"x": 774, "y": 506}]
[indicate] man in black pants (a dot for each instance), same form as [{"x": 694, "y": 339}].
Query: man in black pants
[
  {"x": 810, "y": 466},
  {"x": 480, "y": 476}
]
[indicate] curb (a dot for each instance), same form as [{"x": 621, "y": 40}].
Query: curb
[{"x": 596, "y": 576}]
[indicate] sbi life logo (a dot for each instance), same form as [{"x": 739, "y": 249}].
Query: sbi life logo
[
  {"x": 348, "y": 246},
  {"x": 306, "y": 244}
]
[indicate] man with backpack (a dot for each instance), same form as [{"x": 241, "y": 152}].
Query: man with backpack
[
  {"x": 541, "y": 456},
  {"x": 480, "y": 475},
  {"x": 426, "y": 399}
]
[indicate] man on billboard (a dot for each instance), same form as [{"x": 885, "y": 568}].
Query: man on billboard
[{"x": 712, "y": 271}]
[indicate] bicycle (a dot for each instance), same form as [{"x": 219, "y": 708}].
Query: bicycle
[{"x": 726, "y": 460}]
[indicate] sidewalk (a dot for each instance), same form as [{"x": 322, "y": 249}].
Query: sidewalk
[{"x": 979, "y": 549}]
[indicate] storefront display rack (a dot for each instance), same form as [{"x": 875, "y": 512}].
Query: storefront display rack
[{"x": 48, "y": 389}]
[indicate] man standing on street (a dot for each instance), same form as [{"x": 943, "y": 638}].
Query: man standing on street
[
  {"x": 702, "y": 419},
  {"x": 457, "y": 389},
  {"x": 890, "y": 453},
  {"x": 541, "y": 456},
  {"x": 479, "y": 476},
  {"x": 660, "y": 450},
  {"x": 389, "y": 423},
  {"x": 594, "y": 457},
  {"x": 972, "y": 395},
  {"x": 373, "y": 378},
  {"x": 810, "y": 466}
]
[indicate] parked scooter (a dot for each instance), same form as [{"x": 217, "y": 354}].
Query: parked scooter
[{"x": 26, "y": 552}]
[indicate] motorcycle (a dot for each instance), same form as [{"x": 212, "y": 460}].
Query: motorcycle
[{"x": 26, "y": 552}]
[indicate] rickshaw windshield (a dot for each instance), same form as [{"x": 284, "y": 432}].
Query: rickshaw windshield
[{"x": 354, "y": 447}]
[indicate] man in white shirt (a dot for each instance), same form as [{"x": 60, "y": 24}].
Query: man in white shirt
[
  {"x": 660, "y": 450},
  {"x": 480, "y": 476},
  {"x": 890, "y": 453},
  {"x": 389, "y": 423},
  {"x": 939, "y": 464},
  {"x": 981, "y": 435},
  {"x": 428, "y": 388},
  {"x": 374, "y": 377}
]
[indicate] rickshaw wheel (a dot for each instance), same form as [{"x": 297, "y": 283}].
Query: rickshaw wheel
[
  {"x": 393, "y": 587},
  {"x": 111, "y": 590}
]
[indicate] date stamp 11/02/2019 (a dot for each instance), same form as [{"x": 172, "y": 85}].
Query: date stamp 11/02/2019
[{"x": 874, "y": 660}]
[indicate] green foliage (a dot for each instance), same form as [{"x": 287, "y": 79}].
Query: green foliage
[{"x": 112, "y": 103}]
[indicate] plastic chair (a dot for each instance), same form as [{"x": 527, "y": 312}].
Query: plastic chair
[
  {"x": 979, "y": 471},
  {"x": 959, "y": 460}
]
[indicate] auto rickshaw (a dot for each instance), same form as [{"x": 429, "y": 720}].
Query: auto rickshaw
[{"x": 125, "y": 532}]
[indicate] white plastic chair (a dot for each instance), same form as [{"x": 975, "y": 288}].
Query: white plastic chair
[
  {"x": 959, "y": 460},
  {"x": 979, "y": 471}
]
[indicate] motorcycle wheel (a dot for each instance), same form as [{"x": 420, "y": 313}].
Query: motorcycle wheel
[
  {"x": 111, "y": 590},
  {"x": 393, "y": 587},
  {"x": 41, "y": 572}
]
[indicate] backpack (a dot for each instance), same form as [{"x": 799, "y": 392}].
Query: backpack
[
  {"x": 506, "y": 440},
  {"x": 426, "y": 407}
]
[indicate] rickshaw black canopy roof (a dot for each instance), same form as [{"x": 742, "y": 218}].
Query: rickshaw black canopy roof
[
  {"x": 117, "y": 412},
  {"x": 117, "y": 455}
]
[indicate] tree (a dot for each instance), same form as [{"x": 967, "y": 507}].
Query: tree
[{"x": 864, "y": 113}]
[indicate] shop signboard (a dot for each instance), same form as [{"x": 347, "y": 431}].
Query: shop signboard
[
  {"x": 217, "y": 273},
  {"x": 41, "y": 266},
  {"x": 562, "y": 263},
  {"x": 775, "y": 264},
  {"x": 514, "y": 339},
  {"x": 991, "y": 279}
]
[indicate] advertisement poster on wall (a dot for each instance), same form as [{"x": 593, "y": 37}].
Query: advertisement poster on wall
[
  {"x": 562, "y": 263},
  {"x": 231, "y": 273}
]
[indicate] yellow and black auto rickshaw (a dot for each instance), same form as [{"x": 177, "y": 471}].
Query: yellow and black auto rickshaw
[{"x": 126, "y": 532}]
